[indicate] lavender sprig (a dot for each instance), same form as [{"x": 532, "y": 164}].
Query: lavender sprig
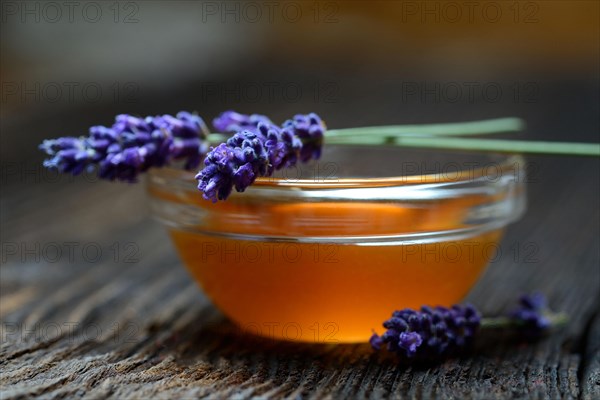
[
  {"x": 130, "y": 146},
  {"x": 433, "y": 333},
  {"x": 430, "y": 332},
  {"x": 257, "y": 150}
]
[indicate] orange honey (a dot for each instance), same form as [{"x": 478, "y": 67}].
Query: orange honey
[{"x": 322, "y": 291}]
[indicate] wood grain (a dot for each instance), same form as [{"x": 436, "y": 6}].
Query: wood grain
[{"x": 125, "y": 330}]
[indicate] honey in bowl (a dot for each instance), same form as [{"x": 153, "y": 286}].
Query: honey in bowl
[{"x": 329, "y": 261}]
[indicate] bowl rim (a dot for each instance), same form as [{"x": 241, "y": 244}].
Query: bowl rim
[
  {"x": 177, "y": 202},
  {"x": 505, "y": 164}
]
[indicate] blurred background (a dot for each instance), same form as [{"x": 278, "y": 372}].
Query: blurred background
[{"x": 68, "y": 65}]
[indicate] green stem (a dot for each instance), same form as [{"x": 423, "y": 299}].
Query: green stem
[
  {"x": 489, "y": 126},
  {"x": 495, "y": 323},
  {"x": 480, "y": 145},
  {"x": 435, "y": 136},
  {"x": 556, "y": 319}
]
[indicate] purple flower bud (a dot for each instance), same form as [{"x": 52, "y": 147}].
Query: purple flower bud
[
  {"x": 103, "y": 132},
  {"x": 69, "y": 154},
  {"x": 124, "y": 165},
  {"x": 51, "y": 146},
  {"x": 257, "y": 150},
  {"x": 410, "y": 341},
  {"x": 131, "y": 146},
  {"x": 184, "y": 125},
  {"x": 238, "y": 162},
  {"x": 534, "y": 301},
  {"x": 404, "y": 314},
  {"x": 395, "y": 323},
  {"x": 129, "y": 123},
  {"x": 231, "y": 121},
  {"x": 282, "y": 147},
  {"x": 430, "y": 332},
  {"x": 244, "y": 177},
  {"x": 310, "y": 129},
  {"x": 392, "y": 338},
  {"x": 530, "y": 316},
  {"x": 376, "y": 341}
]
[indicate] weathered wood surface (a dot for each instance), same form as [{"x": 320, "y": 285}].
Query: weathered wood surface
[{"x": 113, "y": 328}]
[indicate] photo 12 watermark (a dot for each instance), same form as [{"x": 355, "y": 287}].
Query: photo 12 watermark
[
  {"x": 469, "y": 12},
  {"x": 271, "y": 12},
  {"x": 477, "y": 248},
  {"x": 318, "y": 332},
  {"x": 69, "y": 92},
  {"x": 265, "y": 253},
  {"x": 469, "y": 251},
  {"x": 469, "y": 92},
  {"x": 70, "y": 252},
  {"x": 42, "y": 332},
  {"x": 53, "y": 12}
]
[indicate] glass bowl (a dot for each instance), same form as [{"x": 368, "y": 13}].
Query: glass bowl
[{"x": 326, "y": 251}]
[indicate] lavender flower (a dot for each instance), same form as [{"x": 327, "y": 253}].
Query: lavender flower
[
  {"x": 257, "y": 150},
  {"x": 310, "y": 129},
  {"x": 231, "y": 121},
  {"x": 130, "y": 146},
  {"x": 429, "y": 333},
  {"x": 69, "y": 154},
  {"x": 532, "y": 316},
  {"x": 432, "y": 333},
  {"x": 238, "y": 162}
]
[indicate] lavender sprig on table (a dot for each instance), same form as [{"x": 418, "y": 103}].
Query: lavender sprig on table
[
  {"x": 257, "y": 150},
  {"x": 433, "y": 333},
  {"x": 130, "y": 146},
  {"x": 430, "y": 332}
]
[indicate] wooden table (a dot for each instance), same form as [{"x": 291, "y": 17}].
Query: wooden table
[{"x": 116, "y": 315}]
